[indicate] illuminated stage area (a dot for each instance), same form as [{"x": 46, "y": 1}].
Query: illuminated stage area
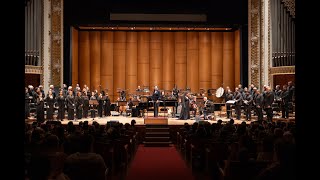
[{"x": 171, "y": 121}]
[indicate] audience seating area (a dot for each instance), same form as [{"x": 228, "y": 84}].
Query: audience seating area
[{"x": 222, "y": 151}]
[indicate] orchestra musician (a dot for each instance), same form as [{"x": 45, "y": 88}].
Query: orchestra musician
[
  {"x": 175, "y": 92},
  {"x": 50, "y": 99},
  {"x": 258, "y": 103},
  {"x": 40, "y": 105},
  {"x": 155, "y": 98},
  {"x": 193, "y": 105},
  {"x": 206, "y": 107},
  {"x": 61, "y": 99},
  {"x": 70, "y": 105},
  {"x": 285, "y": 99},
  {"x": 267, "y": 103},
  {"x": 122, "y": 95},
  {"x": 238, "y": 102},
  {"x": 248, "y": 100},
  {"x": 79, "y": 105},
  {"x": 185, "y": 107},
  {"x": 139, "y": 89}
]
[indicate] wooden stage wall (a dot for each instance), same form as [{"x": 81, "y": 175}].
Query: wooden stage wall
[{"x": 126, "y": 59}]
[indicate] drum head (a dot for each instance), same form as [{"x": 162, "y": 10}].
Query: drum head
[{"x": 219, "y": 92}]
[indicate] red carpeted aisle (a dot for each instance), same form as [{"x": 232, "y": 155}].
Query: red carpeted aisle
[{"x": 158, "y": 163}]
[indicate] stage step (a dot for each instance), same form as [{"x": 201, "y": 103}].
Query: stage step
[
  {"x": 157, "y": 129},
  {"x": 157, "y": 136},
  {"x": 157, "y": 139},
  {"x": 157, "y": 144}
]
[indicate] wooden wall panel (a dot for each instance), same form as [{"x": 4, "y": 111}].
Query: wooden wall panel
[
  {"x": 119, "y": 60},
  {"x": 84, "y": 58},
  {"x": 180, "y": 59},
  {"x": 205, "y": 60},
  {"x": 131, "y": 62},
  {"x": 216, "y": 61},
  {"x": 168, "y": 60},
  {"x": 143, "y": 58},
  {"x": 237, "y": 57},
  {"x": 193, "y": 61},
  {"x": 126, "y": 59},
  {"x": 75, "y": 60},
  {"x": 95, "y": 55},
  {"x": 106, "y": 69},
  {"x": 228, "y": 60},
  {"x": 155, "y": 60}
]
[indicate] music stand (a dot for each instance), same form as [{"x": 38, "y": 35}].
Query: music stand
[{"x": 93, "y": 104}]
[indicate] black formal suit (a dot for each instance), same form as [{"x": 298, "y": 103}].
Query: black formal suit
[
  {"x": 79, "y": 106},
  {"x": 40, "y": 108},
  {"x": 70, "y": 106},
  {"x": 285, "y": 100},
  {"x": 267, "y": 104},
  {"x": 258, "y": 102},
  {"x": 238, "y": 98},
  {"x": 155, "y": 98},
  {"x": 85, "y": 107},
  {"x": 61, "y": 109},
  {"x": 50, "y": 107},
  {"x": 248, "y": 105},
  {"x": 185, "y": 109}
]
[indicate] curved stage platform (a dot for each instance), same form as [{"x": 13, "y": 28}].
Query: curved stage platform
[{"x": 171, "y": 121}]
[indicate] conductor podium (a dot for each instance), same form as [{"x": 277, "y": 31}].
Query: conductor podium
[{"x": 150, "y": 120}]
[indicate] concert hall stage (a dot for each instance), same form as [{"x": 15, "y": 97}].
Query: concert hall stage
[{"x": 171, "y": 121}]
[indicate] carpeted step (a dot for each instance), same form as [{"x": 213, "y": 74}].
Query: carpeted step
[
  {"x": 157, "y": 144},
  {"x": 157, "y": 134},
  {"x": 157, "y": 129},
  {"x": 157, "y": 139}
]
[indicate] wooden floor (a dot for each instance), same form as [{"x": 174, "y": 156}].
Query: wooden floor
[{"x": 171, "y": 121}]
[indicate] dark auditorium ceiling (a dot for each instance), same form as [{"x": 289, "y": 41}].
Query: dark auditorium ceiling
[{"x": 95, "y": 13}]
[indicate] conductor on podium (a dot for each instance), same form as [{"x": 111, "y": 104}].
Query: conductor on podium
[{"x": 155, "y": 98}]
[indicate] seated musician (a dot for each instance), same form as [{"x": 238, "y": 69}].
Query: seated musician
[
  {"x": 139, "y": 89},
  {"x": 193, "y": 105},
  {"x": 206, "y": 107}
]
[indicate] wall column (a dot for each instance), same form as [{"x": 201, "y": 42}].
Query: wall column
[
  {"x": 46, "y": 78},
  {"x": 57, "y": 42}
]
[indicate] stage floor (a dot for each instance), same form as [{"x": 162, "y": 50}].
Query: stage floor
[{"x": 171, "y": 121}]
